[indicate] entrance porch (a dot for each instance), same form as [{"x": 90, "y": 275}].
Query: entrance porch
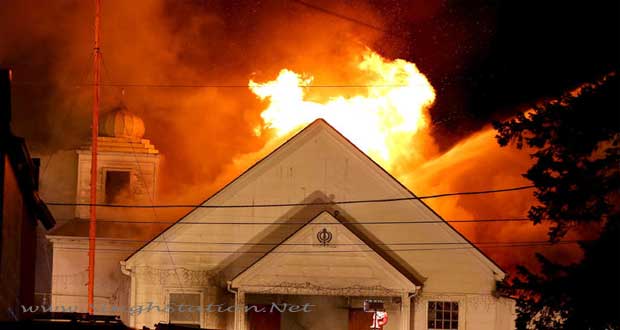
[
  {"x": 317, "y": 312},
  {"x": 328, "y": 268}
]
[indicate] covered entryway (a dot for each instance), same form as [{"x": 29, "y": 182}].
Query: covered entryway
[
  {"x": 263, "y": 317},
  {"x": 328, "y": 269},
  {"x": 326, "y": 312},
  {"x": 359, "y": 320}
]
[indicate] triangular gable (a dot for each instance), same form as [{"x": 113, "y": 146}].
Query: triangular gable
[
  {"x": 327, "y": 257},
  {"x": 326, "y": 162}
]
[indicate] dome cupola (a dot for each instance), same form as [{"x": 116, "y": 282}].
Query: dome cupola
[{"x": 122, "y": 123}]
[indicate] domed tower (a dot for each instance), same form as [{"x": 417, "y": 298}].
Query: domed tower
[
  {"x": 127, "y": 164},
  {"x": 127, "y": 171},
  {"x": 121, "y": 123}
]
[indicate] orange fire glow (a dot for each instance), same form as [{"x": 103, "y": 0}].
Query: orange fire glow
[
  {"x": 381, "y": 120},
  {"x": 387, "y": 118}
]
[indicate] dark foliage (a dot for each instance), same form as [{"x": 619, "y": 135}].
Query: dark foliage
[
  {"x": 576, "y": 143},
  {"x": 577, "y": 137}
]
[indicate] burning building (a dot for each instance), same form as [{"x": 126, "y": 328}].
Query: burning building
[
  {"x": 182, "y": 63},
  {"x": 127, "y": 173},
  {"x": 278, "y": 235},
  {"x": 317, "y": 222}
]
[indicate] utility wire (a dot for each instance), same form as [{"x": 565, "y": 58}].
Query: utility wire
[
  {"x": 326, "y": 251},
  {"x": 376, "y": 222},
  {"x": 349, "y": 18},
  {"x": 362, "y": 201},
  {"x": 201, "y": 85},
  {"x": 483, "y": 243}
]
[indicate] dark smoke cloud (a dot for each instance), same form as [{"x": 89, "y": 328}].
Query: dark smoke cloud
[{"x": 198, "y": 130}]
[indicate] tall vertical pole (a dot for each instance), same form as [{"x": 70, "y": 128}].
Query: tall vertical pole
[{"x": 92, "y": 232}]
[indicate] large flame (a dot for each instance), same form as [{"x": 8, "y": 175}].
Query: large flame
[
  {"x": 388, "y": 120},
  {"x": 381, "y": 120}
]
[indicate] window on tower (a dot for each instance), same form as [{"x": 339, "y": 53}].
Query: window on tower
[{"x": 117, "y": 186}]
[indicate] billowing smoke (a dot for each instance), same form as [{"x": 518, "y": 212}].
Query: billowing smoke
[
  {"x": 178, "y": 44},
  {"x": 160, "y": 51},
  {"x": 478, "y": 163}
]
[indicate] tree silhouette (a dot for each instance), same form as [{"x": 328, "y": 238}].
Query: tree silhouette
[{"x": 576, "y": 150}]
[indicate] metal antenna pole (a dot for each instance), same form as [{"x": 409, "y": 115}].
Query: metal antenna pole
[{"x": 92, "y": 232}]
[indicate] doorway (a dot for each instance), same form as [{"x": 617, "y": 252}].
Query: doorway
[
  {"x": 359, "y": 320},
  {"x": 263, "y": 317}
]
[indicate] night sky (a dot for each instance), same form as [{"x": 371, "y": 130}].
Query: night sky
[{"x": 487, "y": 59}]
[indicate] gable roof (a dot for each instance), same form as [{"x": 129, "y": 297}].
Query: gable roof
[
  {"x": 321, "y": 124},
  {"x": 342, "y": 240}
]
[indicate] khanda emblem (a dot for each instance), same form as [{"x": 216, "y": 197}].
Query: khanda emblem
[{"x": 324, "y": 236}]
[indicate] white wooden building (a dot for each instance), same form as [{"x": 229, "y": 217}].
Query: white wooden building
[
  {"x": 280, "y": 235},
  {"x": 275, "y": 254}
]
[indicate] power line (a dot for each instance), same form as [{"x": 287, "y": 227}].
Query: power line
[
  {"x": 201, "y": 85},
  {"x": 349, "y": 18},
  {"x": 327, "y": 251},
  {"x": 517, "y": 243},
  {"x": 362, "y": 201},
  {"x": 376, "y": 222}
]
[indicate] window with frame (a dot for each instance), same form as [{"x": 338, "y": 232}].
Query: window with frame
[
  {"x": 185, "y": 309},
  {"x": 117, "y": 186},
  {"x": 443, "y": 315}
]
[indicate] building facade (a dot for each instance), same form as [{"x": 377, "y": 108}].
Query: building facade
[
  {"x": 296, "y": 229},
  {"x": 22, "y": 215},
  {"x": 276, "y": 248}
]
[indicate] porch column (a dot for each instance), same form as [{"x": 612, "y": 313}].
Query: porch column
[
  {"x": 405, "y": 312},
  {"x": 240, "y": 311}
]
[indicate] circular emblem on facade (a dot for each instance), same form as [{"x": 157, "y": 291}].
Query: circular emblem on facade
[{"x": 324, "y": 236}]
